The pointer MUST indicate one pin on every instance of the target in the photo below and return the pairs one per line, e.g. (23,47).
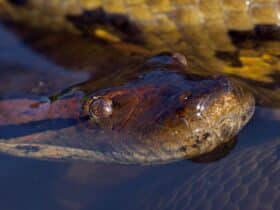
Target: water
(244,179)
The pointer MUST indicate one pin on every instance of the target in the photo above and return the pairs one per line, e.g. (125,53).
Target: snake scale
(216,33)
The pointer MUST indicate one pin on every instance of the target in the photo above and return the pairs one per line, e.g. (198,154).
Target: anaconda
(181,26)
(160,117)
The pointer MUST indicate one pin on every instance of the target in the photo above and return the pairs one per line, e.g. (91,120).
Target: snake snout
(213,97)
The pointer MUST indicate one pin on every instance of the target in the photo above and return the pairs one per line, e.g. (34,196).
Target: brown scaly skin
(160,117)
(232,37)
(237,38)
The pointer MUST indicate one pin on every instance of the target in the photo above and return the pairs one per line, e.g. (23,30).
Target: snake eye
(100,108)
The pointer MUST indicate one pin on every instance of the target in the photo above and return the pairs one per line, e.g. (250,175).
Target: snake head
(179,114)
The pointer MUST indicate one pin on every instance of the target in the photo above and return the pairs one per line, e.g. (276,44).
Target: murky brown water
(247,178)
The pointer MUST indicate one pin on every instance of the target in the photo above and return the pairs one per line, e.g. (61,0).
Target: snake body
(238,37)
(162,116)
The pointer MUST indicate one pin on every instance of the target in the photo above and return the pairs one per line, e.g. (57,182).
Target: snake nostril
(206,135)
(101,108)
(185,96)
